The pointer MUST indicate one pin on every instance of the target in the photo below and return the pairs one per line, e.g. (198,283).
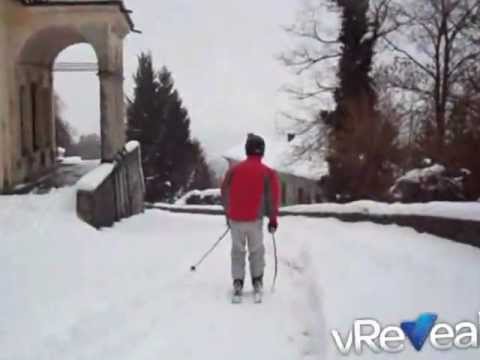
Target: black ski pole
(276,262)
(194,267)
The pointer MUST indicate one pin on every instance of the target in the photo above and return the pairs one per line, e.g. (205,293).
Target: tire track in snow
(310,303)
(318,327)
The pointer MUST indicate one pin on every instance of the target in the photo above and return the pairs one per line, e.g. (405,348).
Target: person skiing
(250,191)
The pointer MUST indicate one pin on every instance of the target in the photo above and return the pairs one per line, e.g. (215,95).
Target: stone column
(5,115)
(46,113)
(40,117)
(27,122)
(112,126)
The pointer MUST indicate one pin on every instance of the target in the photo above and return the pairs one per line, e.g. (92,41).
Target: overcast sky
(221,54)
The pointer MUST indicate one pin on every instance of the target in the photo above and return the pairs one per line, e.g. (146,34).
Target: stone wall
(118,194)
(463,231)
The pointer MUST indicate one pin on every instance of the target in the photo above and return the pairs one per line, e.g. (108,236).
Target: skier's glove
(272,226)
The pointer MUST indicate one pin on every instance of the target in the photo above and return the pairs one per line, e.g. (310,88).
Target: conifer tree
(158,119)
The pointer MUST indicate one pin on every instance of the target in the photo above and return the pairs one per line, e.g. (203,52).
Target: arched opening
(34,152)
(38,104)
(77,102)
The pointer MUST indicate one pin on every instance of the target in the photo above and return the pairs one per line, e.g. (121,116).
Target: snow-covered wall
(112,191)
(459,228)
(446,220)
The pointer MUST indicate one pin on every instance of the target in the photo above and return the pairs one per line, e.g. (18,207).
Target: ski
(257,297)
(237,297)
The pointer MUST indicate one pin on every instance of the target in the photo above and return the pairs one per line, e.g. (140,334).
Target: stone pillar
(40,117)
(4,128)
(4,111)
(27,123)
(45,109)
(50,125)
(5,104)
(112,125)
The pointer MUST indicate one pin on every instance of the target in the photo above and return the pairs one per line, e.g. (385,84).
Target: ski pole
(194,267)
(276,262)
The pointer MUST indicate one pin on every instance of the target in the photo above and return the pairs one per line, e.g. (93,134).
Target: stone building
(32,34)
(299,177)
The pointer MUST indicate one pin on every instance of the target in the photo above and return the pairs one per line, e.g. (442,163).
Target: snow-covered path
(71,292)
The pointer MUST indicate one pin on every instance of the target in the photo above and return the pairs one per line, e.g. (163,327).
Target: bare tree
(336,61)
(437,46)
(315,60)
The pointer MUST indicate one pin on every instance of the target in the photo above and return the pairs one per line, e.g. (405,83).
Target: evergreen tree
(144,122)
(160,122)
(177,146)
(142,112)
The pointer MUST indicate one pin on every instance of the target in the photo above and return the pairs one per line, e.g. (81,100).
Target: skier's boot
(237,291)
(257,283)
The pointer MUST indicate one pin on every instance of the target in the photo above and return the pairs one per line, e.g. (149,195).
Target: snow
(200,193)
(61,152)
(444,209)
(416,175)
(71,160)
(280,155)
(95,178)
(193,208)
(72,292)
(131,145)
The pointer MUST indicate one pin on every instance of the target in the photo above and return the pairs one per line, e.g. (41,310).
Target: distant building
(300,177)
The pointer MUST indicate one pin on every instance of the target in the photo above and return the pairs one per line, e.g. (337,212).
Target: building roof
(280,155)
(126,12)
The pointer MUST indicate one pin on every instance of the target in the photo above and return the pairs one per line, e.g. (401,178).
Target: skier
(250,191)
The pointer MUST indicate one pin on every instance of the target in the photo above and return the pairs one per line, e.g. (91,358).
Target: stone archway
(45,30)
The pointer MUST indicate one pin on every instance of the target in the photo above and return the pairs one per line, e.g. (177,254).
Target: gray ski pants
(251,234)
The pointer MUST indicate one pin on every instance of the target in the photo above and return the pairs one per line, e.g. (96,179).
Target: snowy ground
(71,292)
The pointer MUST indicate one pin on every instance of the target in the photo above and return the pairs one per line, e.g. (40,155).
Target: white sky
(221,54)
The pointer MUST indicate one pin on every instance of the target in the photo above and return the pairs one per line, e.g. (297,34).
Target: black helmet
(255,145)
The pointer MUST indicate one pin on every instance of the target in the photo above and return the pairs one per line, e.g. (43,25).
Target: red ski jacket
(251,190)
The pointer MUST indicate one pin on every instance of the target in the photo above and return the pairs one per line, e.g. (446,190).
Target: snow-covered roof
(280,155)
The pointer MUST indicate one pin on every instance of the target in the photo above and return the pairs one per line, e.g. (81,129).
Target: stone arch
(34,63)
(32,35)
(43,46)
